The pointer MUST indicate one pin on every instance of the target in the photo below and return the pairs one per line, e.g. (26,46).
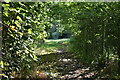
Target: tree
(95,30)
(23,25)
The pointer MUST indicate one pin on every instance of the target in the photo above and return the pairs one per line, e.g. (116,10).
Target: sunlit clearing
(66,60)
(57,40)
(58,51)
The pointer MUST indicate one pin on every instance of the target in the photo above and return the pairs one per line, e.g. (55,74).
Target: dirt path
(64,66)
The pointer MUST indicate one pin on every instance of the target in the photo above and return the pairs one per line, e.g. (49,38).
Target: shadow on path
(64,66)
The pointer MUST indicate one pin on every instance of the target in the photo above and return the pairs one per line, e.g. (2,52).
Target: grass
(51,46)
(46,53)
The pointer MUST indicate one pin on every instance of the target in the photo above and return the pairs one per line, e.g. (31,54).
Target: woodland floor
(66,67)
(61,64)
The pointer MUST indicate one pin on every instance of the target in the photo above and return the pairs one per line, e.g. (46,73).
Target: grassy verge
(51,46)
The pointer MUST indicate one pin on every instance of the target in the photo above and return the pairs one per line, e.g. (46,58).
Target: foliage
(95,28)
(95,32)
(23,25)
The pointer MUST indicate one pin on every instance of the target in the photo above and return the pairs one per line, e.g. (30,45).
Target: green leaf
(24,37)
(27,27)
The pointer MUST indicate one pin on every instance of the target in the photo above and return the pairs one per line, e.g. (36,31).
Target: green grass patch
(51,46)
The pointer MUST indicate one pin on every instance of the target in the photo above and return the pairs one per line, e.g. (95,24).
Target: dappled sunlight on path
(57,62)
(80,73)
(64,66)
